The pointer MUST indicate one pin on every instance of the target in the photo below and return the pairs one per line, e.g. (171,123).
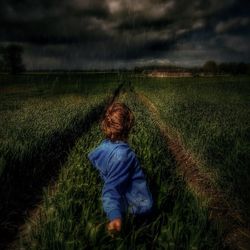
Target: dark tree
(1,59)
(12,59)
(248,69)
(138,69)
(210,67)
(224,68)
(241,68)
(234,68)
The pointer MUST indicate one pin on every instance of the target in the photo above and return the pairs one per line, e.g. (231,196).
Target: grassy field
(41,117)
(31,114)
(72,217)
(211,115)
(49,123)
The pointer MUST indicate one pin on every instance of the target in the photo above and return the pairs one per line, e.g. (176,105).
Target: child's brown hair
(117,122)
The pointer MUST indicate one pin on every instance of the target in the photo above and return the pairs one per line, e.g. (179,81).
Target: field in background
(50,121)
(211,115)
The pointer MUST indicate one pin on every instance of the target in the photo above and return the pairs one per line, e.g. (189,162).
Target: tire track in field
(237,234)
(17,206)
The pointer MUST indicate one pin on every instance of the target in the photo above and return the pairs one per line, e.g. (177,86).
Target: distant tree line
(11,60)
(209,68)
(234,68)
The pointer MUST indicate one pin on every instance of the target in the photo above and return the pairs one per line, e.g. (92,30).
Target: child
(125,188)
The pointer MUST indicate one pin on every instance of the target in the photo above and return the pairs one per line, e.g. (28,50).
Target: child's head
(117,122)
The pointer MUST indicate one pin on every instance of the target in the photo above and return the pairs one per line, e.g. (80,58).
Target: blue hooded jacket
(125,188)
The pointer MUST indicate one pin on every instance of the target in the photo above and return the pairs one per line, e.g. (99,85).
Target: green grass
(50,122)
(32,114)
(39,124)
(211,115)
(71,216)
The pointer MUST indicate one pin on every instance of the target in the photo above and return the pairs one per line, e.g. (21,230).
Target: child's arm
(116,182)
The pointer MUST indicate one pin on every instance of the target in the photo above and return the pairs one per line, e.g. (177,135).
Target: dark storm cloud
(107,33)
(48,22)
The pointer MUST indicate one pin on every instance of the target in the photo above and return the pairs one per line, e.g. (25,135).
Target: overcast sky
(83,34)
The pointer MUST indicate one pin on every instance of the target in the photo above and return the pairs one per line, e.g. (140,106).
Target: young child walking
(125,188)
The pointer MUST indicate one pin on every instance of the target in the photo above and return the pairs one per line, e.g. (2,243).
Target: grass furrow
(211,117)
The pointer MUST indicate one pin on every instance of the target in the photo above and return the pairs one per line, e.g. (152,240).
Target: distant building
(168,73)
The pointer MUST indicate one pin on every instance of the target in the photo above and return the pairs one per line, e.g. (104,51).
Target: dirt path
(201,183)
